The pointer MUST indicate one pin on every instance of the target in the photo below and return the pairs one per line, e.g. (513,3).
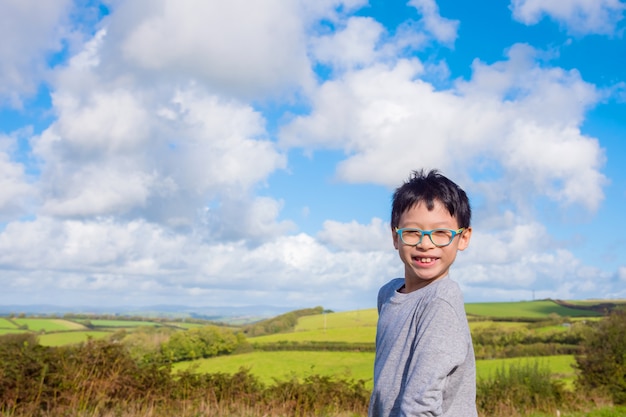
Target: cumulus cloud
(121,260)
(353,236)
(16,189)
(31,30)
(118,149)
(229,46)
(150,180)
(442,29)
(353,46)
(515,113)
(579,17)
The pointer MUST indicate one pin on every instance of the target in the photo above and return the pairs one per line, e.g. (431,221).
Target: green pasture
(352,335)
(6,324)
(70,338)
(122,323)
(358,326)
(524,309)
(48,325)
(341,320)
(12,331)
(505,325)
(184,325)
(271,366)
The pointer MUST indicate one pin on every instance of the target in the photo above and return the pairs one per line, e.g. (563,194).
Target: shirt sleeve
(440,346)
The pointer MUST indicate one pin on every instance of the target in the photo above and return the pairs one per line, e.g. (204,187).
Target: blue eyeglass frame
(429,233)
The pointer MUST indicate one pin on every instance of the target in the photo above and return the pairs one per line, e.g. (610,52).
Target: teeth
(426,260)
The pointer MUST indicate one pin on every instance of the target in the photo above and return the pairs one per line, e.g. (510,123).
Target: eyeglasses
(439,237)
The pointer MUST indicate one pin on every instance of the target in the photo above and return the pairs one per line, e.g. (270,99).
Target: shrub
(524,387)
(602,361)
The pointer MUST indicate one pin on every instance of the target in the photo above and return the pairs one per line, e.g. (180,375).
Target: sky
(210,153)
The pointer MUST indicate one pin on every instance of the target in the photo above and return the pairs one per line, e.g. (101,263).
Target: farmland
(351,327)
(298,347)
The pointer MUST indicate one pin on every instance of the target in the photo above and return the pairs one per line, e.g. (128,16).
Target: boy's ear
(464,239)
(394,236)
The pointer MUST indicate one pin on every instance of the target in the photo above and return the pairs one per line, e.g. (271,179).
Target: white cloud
(30,29)
(230,46)
(118,148)
(353,46)
(246,219)
(516,114)
(579,17)
(353,236)
(150,180)
(17,191)
(443,30)
(121,260)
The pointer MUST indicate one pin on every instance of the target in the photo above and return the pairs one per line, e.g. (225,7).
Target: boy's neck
(409,287)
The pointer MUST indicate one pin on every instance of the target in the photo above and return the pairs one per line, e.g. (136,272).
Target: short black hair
(427,188)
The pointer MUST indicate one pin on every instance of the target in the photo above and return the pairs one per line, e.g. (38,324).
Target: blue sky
(245,153)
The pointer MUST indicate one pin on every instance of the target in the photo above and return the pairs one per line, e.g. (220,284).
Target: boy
(425,362)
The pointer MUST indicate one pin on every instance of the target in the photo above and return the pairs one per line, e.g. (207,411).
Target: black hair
(427,188)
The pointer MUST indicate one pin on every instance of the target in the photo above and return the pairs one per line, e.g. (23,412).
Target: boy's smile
(426,262)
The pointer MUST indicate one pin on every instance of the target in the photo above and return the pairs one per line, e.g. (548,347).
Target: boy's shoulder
(395,283)
(445,288)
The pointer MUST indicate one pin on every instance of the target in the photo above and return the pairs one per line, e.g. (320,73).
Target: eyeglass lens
(438,237)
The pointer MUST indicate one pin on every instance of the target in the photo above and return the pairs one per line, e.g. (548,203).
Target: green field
(122,323)
(342,320)
(268,366)
(6,324)
(11,331)
(184,325)
(524,309)
(352,335)
(70,338)
(48,325)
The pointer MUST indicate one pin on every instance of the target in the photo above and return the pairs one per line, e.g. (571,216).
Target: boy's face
(425,262)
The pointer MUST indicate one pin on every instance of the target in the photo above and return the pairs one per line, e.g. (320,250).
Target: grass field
(121,323)
(268,366)
(184,325)
(6,324)
(340,320)
(524,309)
(69,338)
(11,331)
(354,335)
(48,325)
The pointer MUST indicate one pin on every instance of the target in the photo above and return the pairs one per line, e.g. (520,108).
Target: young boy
(425,362)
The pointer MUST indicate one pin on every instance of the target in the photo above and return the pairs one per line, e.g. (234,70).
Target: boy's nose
(426,242)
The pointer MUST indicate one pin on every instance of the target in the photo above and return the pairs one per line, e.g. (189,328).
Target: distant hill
(250,314)
(246,314)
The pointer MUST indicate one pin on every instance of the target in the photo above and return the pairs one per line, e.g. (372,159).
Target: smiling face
(426,263)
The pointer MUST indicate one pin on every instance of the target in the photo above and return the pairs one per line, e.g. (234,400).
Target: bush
(201,342)
(602,361)
(100,378)
(525,387)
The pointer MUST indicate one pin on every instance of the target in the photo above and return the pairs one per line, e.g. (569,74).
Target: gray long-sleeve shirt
(424,362)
